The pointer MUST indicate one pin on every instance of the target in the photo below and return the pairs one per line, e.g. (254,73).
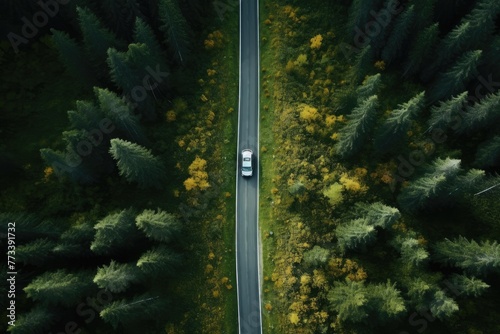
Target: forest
(116,195)
(379,157)
(380,153)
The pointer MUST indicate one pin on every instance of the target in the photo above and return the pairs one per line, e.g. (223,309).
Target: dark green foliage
(442,306)
(482,115)
(371,86)
(140,308)
(60,287)
(96,38)
(399,122)
(378,214)
(488,153)
(75,242)
(35,253)
(121,15)
(120,113)
(455,79)
(66,164)
(38,320)
(86,116)
(400,32)
(471,256)
(385,301)
(316,256)
(421,50)
(363,65)
(360,122)
(160,225)
(115,232)
(431,185)
(412,252)
(448,113)
(359,15)
(143,34)
(469,286)
(73,57)
(159,261)
(175,28)
(355,234)
(138,164)
(29,226)
(117,277)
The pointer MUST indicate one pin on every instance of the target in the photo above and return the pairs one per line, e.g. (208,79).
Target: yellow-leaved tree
(316,42)
(198,176)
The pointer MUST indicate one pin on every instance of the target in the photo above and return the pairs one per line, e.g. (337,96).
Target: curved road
(247,189)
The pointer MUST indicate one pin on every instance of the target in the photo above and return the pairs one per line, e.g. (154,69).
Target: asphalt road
(247,245)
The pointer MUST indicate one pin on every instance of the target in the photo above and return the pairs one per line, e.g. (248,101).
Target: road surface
(247,245)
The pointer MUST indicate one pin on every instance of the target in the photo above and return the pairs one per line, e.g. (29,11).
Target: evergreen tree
(473,257)
(137,164)
(412,252)
(66,164)
(159,261)
(86,116)
(447,112)
(400,32)
(160,226)
(60,287)
(378,214)
(75,242)
(385,301)
(360,122)
(114,232)
(371,86)
(316,256)
(349,299)
(121,72)
(363,65)
(359,15)
(482,115)
(488,153)
(120,113)
(354,234)
(36,253)
(117,277)
(143,34)
(38,320)
(30,226)
(442,306)
(120,15)
(175,28)
(421,50)
(73,57)
(455,79)
(96,38)
(469,286)
(421,292)
(141,307)
(397,125)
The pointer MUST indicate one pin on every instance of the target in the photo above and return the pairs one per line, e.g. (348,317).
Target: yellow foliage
(360,172)
(170,116)
(227,194)
(305,279)
(224,280)
(268,307)
(311,128)
(334,193)
(309,114)
(316,42)
(190,184)
(209,44)
(267,22)
(352,184)
(211,256)
(215,293)
(211,72)
(47,172)
(335,136)
(330,120)
(211,116)
(203,98)
(209,268)
(294,318)
(380,65)
(274,191)
(301,60)
(198,176)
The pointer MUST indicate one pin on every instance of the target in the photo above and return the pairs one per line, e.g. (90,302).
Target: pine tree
(96,38)
(385,301)
(354,234)
(117,277)
(73,57)
(141,307)
(143,34)
(122,74)
(447,112)
(469,286)
(115,232)
(175,28)
(360,122)
(121,15)
(455,79)
(86,116)
(38,320)
(400,32)
(120,113)
(30,226)
(137,164)
(371,86)
(482,115)
(359,14)
(397,125)
(66,164)
(349,299)
(159,261)
(421,50)
(316,256)
(36,253)
(75,242)
(378,214)
(363,65)
(160,226)
(442,306)
(473,257)
(412,252)
(60,287)
(488,153)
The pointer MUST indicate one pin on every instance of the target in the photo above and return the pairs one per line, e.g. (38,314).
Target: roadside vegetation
(379,209)
(118,148)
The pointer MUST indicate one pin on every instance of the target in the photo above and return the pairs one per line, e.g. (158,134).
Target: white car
(246,162)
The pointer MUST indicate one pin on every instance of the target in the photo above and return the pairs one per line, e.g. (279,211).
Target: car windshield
(247,169)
